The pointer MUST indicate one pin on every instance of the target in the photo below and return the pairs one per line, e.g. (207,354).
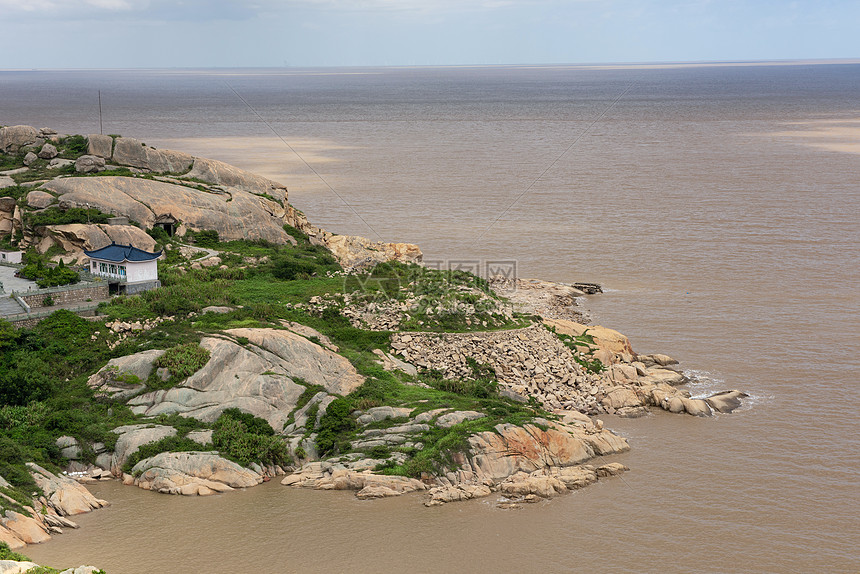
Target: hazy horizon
(122,34)
(568,65)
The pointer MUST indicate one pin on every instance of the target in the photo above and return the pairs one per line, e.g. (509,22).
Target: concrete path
(11,283)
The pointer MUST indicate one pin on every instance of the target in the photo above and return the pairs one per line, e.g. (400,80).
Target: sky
(308,33)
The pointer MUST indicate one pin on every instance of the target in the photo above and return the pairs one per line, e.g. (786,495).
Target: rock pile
(537,297)
(533,362)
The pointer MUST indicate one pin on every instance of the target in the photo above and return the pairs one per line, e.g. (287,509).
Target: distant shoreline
(302,70)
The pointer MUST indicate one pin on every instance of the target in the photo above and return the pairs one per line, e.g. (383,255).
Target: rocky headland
(284,350)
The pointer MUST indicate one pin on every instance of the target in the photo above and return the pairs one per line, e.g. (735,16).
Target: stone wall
(68,295)
(26,323)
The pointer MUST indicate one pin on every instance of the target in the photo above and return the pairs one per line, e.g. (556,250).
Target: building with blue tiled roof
(132,269)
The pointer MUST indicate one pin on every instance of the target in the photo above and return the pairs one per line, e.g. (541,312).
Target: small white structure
(134,269)
(11,256)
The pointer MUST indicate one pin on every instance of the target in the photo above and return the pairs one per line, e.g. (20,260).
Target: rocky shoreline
(547,373)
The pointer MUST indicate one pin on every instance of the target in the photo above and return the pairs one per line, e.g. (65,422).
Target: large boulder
(726,401)
(257,379)
(511,449)
(26,529)
(124,377)
(234,215)
(13,138)
(13,567)
(89,164)
(327,476)
(100,145)
(64,495)
(39,199)
(448,420)
(192,473)
(48,151)
(75,237)
(614,344)
(354,252)
(302,358)
(132,437)
(134,153)
(220,173)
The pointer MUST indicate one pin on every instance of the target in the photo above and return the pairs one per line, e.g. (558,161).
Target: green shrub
(253,425)
(300,236)
(233,440)
(289,268)
(159,234)
(206,238)
(335,426)
(480,388)
(379,452)
(37,269)
(7,554)
(75,145)
(183,360)
(57,216)
(26,380)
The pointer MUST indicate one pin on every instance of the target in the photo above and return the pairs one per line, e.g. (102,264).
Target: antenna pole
(101,131)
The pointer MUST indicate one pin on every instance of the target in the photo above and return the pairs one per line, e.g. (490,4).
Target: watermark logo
(389,284)
(498,268)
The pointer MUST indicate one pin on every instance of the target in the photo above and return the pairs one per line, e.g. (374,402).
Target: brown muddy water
(720,207)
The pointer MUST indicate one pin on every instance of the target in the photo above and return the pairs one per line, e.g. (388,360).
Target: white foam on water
(703,384)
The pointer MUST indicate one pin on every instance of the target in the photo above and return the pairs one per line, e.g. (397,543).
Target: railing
(22,303)
(89,276)
(42,314)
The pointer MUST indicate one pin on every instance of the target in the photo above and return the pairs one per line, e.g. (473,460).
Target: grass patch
(183,360)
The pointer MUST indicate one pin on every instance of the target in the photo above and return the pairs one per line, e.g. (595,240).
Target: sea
(717,204)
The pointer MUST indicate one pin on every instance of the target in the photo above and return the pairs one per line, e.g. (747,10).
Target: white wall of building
(141,271)
(11,256)
(135,271)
